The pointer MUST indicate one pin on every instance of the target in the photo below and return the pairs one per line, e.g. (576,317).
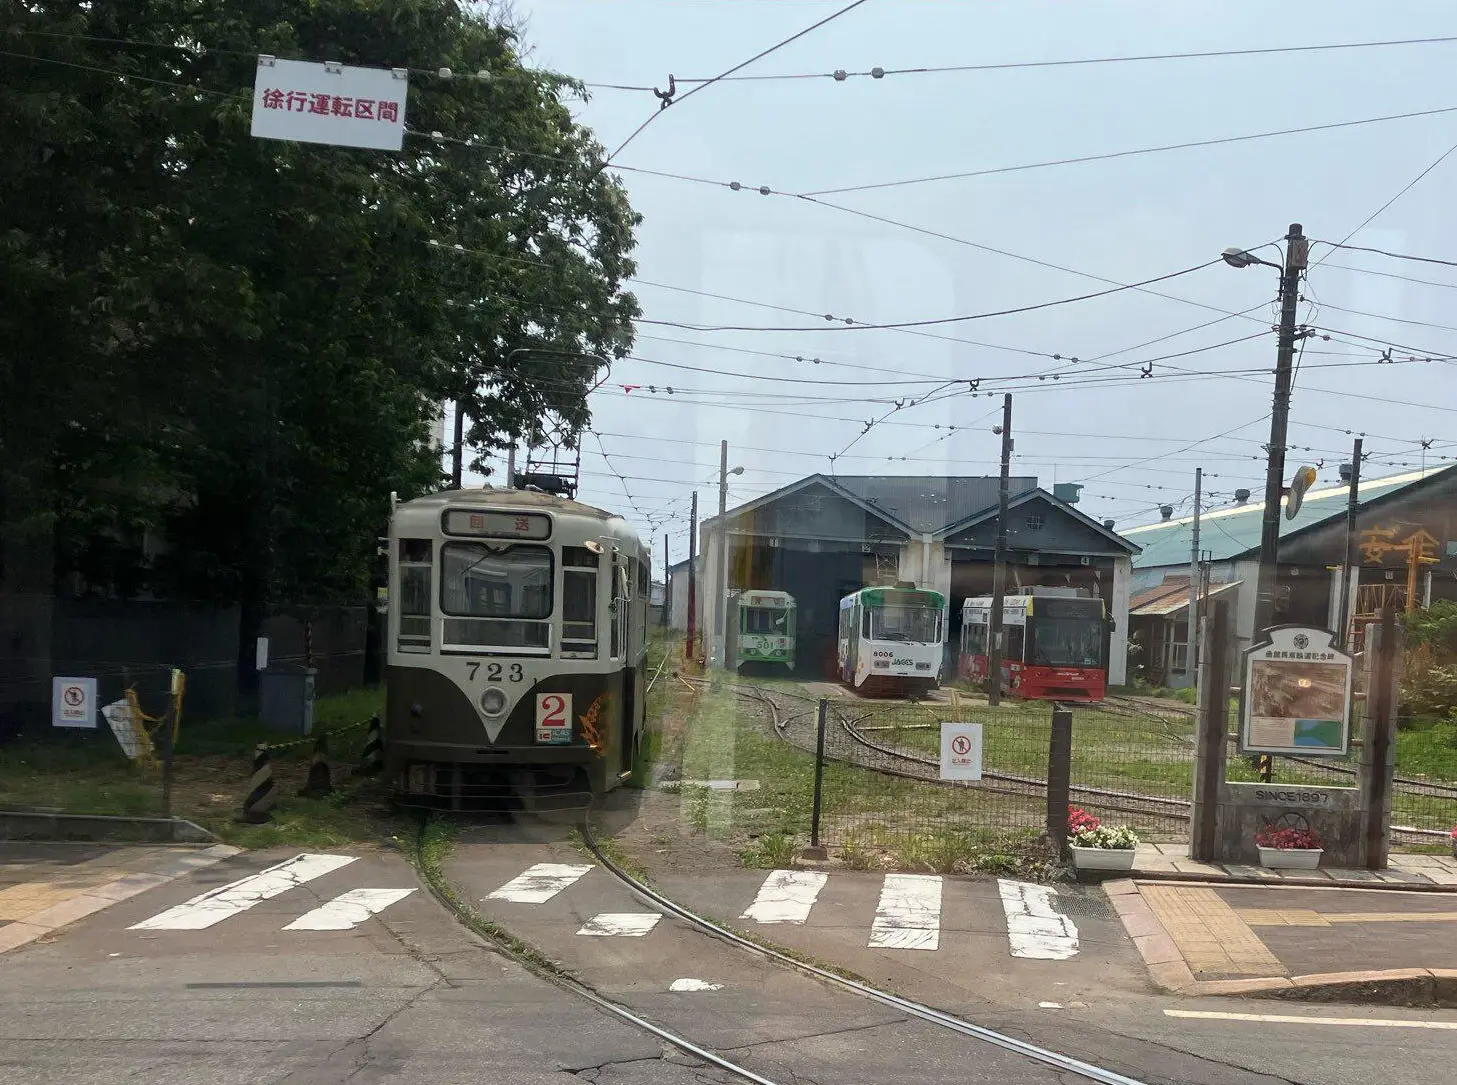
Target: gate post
(1377,762)
(816,850)
(1059,777)
(1210,733)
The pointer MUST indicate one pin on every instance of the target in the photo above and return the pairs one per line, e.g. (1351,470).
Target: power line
(1391,275)
(1079,159)
(668,100)
(1393,255)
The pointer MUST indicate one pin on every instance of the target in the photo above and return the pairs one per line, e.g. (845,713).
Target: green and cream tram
(517,635)
(892,639)
(761,628)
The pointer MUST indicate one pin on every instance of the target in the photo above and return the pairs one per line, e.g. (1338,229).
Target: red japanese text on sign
(297,101)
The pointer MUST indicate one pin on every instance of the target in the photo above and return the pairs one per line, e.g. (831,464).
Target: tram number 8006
(494,672)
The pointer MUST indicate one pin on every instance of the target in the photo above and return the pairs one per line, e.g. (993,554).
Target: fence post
(1059,777)
(1210,733)
(1377,761)
(814,813)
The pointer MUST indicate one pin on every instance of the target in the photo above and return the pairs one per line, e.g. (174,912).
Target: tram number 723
(494,671)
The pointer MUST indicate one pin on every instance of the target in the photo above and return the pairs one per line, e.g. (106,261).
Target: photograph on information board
(1297,704)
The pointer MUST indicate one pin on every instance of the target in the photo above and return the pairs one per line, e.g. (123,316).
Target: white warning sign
(960,751)
(73,702)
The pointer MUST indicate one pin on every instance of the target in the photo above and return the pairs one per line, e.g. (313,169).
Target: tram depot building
(1399,518)
(823,537)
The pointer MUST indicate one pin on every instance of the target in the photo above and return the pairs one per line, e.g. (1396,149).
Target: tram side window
(579,602)
(865,624)
(975,635)
(414,566)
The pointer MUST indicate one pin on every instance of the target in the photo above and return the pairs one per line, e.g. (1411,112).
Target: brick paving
(1165,860)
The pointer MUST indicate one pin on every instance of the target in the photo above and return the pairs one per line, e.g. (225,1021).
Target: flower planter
(1290,858)
(1102,858)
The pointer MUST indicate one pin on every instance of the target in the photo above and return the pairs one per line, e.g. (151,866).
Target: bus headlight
(493,701)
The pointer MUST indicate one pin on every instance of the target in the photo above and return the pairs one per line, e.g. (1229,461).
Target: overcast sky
(1125,220)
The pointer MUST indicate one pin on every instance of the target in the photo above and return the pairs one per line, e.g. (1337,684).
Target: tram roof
(500,497)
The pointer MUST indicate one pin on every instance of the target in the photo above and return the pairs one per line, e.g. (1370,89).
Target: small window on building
(1034,522)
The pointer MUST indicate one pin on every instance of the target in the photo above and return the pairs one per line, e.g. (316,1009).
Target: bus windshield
(911,625)
(1067,642)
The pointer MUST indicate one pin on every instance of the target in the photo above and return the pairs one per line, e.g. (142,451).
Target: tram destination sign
(497,525)
(1297,694)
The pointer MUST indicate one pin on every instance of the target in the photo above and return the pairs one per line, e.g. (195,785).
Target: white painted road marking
(1035,929)
(229,900)
(539,883)
(694,985)
(1291,1019)
(786,896)
(348,910)
(627,924)
(909,913)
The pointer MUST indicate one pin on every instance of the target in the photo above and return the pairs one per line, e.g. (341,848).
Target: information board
(1297,694)
(960,751)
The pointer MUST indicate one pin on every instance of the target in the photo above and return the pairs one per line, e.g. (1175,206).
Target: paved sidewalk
(1172,861)
(44,886)
(1292,941)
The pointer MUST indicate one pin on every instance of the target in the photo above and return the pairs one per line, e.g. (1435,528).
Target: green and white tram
(892,640)
(515,659)
(762,630)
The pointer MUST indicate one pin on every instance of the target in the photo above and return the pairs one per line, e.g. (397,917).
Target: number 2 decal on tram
(554,718)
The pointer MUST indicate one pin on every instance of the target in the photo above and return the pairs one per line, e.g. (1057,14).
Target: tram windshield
(496,597)
(1067,642)
(910,625)
(764,620)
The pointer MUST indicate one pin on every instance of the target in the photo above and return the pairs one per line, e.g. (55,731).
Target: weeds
(774,851)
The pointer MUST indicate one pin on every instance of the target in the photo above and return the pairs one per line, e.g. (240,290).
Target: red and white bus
(1056,645)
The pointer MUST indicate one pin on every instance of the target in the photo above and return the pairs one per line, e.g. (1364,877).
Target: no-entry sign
(960,751)
(73,702)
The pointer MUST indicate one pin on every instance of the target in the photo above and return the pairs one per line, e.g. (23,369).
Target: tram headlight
(493,701)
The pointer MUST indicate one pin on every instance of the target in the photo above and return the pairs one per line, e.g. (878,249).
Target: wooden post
(1377,760)
(1059,777)
(1211,729)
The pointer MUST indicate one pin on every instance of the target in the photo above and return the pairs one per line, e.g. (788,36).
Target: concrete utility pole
(511,465)
(1297,249)
(1191,651)
(720,587)
(999,570)
(666,614)
(692,577)
(1353,498)
(457,460)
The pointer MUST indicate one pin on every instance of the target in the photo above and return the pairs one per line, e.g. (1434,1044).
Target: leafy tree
(238,346)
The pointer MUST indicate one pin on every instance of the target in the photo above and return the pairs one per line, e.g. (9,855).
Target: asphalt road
(289,985)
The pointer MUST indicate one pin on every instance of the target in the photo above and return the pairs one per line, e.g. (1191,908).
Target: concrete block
(1171,975)
(1158,949)
(15,935)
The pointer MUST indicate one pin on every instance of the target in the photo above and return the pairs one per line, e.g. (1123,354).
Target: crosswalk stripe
(909,913)
(215,905)
(626,924)
(1035,929)
(539,883)
(786,896)
(348,910)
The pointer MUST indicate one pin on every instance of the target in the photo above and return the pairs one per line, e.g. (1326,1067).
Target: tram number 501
(494,672)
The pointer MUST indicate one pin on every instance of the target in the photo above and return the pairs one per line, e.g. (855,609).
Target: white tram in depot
(892,639)
(517,637)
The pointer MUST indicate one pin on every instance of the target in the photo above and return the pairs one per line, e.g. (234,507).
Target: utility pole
(1191,651)
(692,577)
(1343,631)
(999,570)
(720,587)
(1297,249)
(457,454)
(667,586)
(511,465)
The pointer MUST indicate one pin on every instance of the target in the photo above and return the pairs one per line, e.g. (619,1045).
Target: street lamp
(1297,250)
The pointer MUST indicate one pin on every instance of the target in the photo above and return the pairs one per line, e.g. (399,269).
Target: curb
(45,825)
(23,932)
(1376,882)
(1170,974)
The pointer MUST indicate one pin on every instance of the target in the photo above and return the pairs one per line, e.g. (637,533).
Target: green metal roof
(880,597)
(1231,533)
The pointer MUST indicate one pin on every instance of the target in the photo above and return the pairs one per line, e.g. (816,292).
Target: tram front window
(1067,642)
(910,625)
(496,597)
(764,620)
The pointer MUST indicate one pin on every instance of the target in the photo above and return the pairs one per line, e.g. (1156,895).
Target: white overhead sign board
(960,751)
(330,103)
(73,702)
(1297,694)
